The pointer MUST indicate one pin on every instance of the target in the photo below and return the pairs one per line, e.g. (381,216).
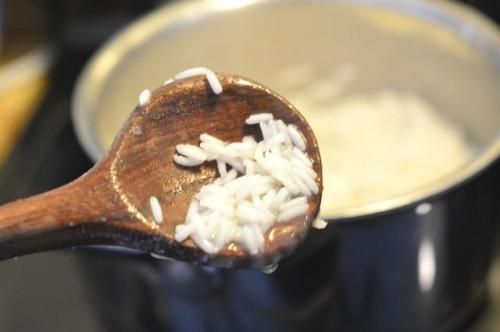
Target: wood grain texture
(110,203)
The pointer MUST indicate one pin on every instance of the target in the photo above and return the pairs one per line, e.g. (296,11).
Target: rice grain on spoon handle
(111,203)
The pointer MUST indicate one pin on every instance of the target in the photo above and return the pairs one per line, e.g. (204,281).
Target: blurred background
(44,45)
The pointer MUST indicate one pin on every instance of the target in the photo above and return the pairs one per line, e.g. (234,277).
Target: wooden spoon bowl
(110,203)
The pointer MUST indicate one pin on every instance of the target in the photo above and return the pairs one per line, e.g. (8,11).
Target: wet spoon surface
(110,204)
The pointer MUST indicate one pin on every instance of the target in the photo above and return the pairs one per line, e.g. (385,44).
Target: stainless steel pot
(416,262)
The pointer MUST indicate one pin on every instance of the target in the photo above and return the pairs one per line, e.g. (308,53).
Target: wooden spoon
(109,205)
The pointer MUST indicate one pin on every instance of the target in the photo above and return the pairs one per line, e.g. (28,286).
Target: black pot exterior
(420,268)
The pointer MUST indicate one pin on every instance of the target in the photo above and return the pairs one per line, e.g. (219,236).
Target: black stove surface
(49,291)
(45,292)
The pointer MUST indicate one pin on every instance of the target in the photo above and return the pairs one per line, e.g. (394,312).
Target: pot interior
(312,53)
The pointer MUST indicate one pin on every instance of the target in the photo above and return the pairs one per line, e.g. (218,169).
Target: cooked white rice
(374,146)
(319,224)
(212,79)
(380,146)
(259,184)
(296,137)
(258,118)
(156,209)
(144,97)
(191,152)
(169,81)
(186,161)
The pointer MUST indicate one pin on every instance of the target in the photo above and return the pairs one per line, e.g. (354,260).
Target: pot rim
(471,25)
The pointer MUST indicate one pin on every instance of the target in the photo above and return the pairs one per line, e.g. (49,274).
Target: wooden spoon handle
(64,217)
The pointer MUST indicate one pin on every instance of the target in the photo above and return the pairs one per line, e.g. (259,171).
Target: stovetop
(48,291)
